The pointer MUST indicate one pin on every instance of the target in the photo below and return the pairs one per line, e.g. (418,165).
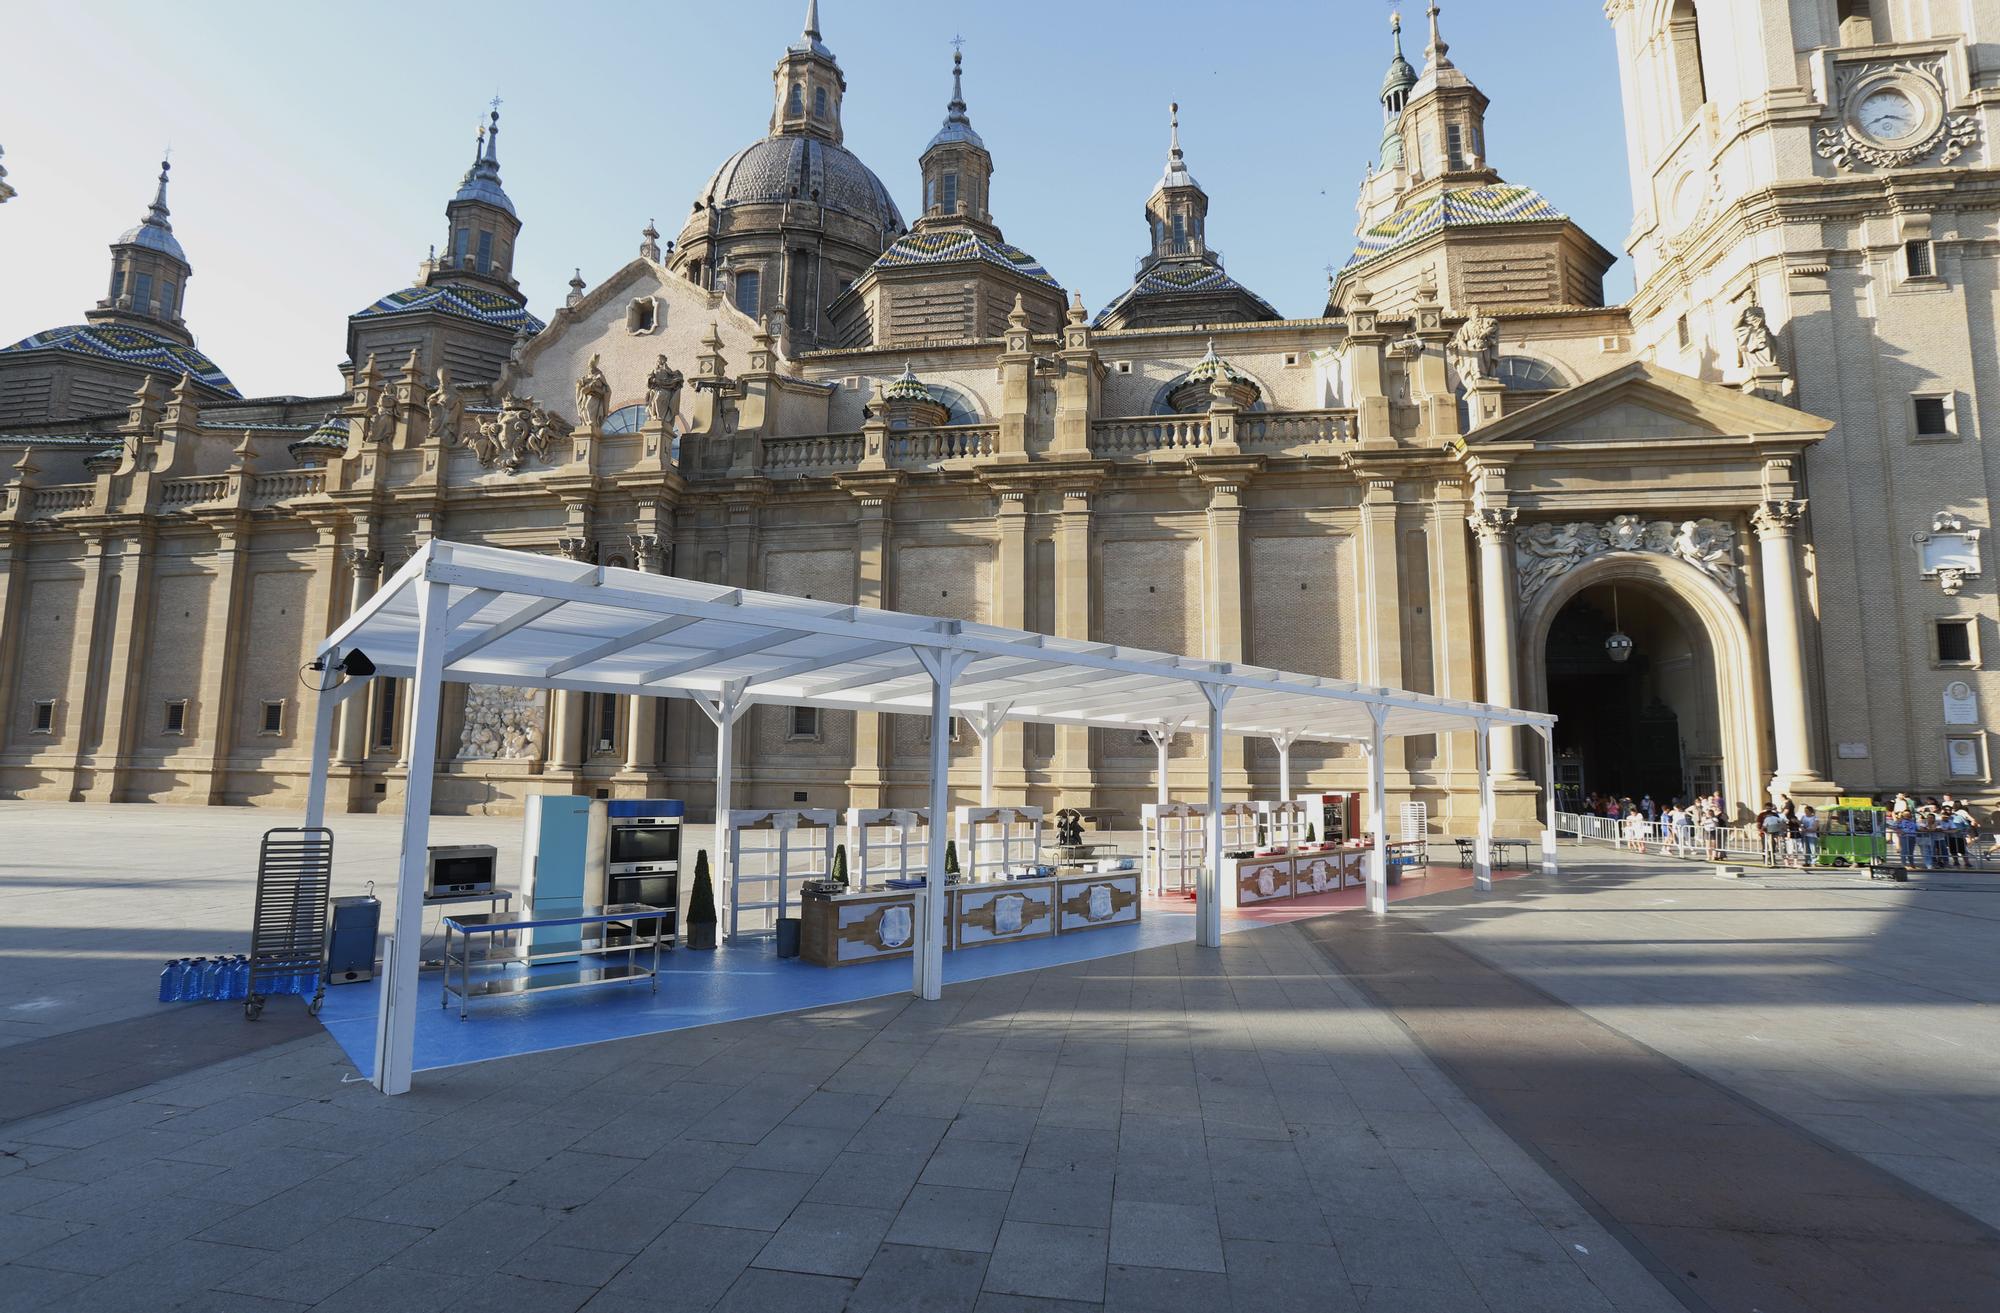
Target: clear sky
(314,146)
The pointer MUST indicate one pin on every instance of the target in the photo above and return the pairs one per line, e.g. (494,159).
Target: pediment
(1644,403)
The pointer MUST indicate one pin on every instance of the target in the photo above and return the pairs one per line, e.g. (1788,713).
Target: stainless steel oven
(642,865)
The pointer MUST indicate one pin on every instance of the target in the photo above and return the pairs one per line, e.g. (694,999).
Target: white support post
(330,700)
(1283,743)
(1548,799)
(1378,814)
(927,962)
(396,1031)
(723,710)
(1482,848)
(1208,883)
(986,724)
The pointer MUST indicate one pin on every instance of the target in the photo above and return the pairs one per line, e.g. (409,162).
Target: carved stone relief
(1545,552)
(501,723)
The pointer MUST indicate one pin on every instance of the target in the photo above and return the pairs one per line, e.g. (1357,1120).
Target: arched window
(1527,374)
(625,419)
(749,287)
(819,102)
(948,193)
(1690,85)
(795,102)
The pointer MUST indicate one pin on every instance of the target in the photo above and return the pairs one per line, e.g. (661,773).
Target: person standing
(1771,825)
(1809,837)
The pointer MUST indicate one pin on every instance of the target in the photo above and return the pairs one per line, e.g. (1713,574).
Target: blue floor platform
(736,981)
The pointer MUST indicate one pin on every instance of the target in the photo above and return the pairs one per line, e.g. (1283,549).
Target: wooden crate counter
(1091,902)
(1294,873)
(1000,912)
(859,927)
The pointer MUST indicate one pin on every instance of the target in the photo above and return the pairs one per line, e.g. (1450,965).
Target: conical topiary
(840,862)
(701,916)
(1310,838)
(950,859)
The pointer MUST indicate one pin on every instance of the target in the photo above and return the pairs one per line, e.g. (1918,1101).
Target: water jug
(190,990)
(167,981)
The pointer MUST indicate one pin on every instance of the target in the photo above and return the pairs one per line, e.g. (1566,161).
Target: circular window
(625,419)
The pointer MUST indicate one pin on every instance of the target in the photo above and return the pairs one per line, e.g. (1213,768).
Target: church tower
(1826,166)
(465,311)
(953,275)
(149,274)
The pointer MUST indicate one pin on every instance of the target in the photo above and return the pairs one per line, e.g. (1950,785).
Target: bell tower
(958,171)
(149,274)
(481,226)
(807,86)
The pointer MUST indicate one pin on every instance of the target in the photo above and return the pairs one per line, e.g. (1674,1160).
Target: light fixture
(1619,646)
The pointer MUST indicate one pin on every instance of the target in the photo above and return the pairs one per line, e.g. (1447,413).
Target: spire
(957,123)
(649,246)
(575,288)
(1434,53)
(1176,174)
(156,214)
(482,181)
(493,138)
(809,39)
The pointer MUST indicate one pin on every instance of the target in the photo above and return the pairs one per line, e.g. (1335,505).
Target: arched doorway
(1644,726)
(1680,716)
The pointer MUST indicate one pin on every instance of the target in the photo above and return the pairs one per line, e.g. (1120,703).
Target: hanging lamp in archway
(1619,645)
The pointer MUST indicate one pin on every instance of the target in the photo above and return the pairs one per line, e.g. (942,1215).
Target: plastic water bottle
(240,978)
(191,980)
(167,981)
(211,976)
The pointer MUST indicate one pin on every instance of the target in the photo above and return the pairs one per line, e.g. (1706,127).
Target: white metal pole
(927,963)
(330,700)
(1208,882)
(396,1034)
(724,716)
(1378,815)
(1548,799)
(1482,848)
(1283,743)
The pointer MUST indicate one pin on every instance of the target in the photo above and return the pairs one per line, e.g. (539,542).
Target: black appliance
(655,891)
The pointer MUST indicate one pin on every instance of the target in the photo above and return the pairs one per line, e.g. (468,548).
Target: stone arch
(1710,613)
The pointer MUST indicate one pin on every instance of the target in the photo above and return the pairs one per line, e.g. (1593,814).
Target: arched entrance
(1680,716)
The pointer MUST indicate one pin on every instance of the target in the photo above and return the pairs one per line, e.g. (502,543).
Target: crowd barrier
(1730,843)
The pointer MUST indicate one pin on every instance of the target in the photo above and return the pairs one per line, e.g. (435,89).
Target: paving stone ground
(1180,1128)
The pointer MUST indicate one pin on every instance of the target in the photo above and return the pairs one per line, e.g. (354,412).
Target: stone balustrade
(925,448)
(268,489)
(817,454)
(54,501)
(194,492)
(1295,433)
(1146,434)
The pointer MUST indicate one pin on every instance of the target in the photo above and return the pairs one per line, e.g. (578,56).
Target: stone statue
(1756,348)
(1710,547)
(593,397)
(1475,348)
(663,393)
(380,424)
(444,410)
(545,429)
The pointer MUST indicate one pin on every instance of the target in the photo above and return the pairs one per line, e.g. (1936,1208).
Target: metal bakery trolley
(580,964)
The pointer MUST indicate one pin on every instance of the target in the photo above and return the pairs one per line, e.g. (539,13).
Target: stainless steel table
(574,976)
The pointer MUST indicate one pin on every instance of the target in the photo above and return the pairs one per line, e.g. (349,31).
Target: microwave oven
(643,845)
(460,868)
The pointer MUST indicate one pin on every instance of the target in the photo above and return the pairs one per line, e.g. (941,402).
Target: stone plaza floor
(1631,1086)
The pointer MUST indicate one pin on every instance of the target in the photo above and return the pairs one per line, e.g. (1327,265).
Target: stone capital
(1778,517)
(1494,524)
(361,561)
(577,549)
(648,552)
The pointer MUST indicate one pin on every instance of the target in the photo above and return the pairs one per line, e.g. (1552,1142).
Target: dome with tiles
(804,168)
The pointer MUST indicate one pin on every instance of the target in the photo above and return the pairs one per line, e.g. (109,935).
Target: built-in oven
(642,865)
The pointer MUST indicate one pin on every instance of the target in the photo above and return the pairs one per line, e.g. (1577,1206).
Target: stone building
(1730,532)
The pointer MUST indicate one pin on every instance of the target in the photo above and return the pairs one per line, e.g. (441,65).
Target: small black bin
(788,936)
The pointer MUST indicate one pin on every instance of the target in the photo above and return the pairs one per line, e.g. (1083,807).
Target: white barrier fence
(1727,843)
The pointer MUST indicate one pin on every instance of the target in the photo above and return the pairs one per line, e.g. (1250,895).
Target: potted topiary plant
(951,861)
(839,871)
(701,917)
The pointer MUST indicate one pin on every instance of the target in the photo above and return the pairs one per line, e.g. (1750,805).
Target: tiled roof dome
(1460,207)
(474,303)
(945,245)
(131,346)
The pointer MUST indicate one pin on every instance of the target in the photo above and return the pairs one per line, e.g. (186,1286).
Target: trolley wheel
(1840,861)
(253,1008)
(312,1008)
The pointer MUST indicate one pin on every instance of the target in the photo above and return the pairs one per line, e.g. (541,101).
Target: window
(795,100)
(1681,332)
(390,697)
(463,245)
(749,286)
(142,294)
(485,251)
(177,717)
(1917,259)
(1933,416)
(1690,80)
(1954,643)
(1454,146)
(948,193)
(953,732)
(607,721)
(274,718)
(167,298)
(1527,374)
(45,716)
(117,284)
(642,315)
(805,723)
(819,102)
(625,419)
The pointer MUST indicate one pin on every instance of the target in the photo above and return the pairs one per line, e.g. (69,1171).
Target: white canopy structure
(484,615)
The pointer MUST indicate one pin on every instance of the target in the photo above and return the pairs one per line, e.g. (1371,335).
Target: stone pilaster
(1076,783)
(222,648)
(125,646)
(364,567)
(1498,622)
(1010,609)
(1776,521)
(1222,558)
(1017,376)
(642,714)
(1080,389)
(1381,584)
(74,723)
(867,779)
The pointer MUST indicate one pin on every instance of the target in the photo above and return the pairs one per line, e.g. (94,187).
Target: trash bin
(788,936)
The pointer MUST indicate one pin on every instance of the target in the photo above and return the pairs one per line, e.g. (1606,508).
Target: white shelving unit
(770,854)
(1176,847)
(1282,823)
(887,843)
(993,841)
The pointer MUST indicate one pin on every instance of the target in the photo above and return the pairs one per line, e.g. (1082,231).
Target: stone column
(1785,638)
(1076,784)
(13,594)
(363,567)
(1224,577)
(73,719)
(125,662)
(642,714)
(1494,526)
(569,713)
(1382,621)
(222,646)
(866,780)
(1009,748)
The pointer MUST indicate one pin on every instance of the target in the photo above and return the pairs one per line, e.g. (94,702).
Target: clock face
(1887,115)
